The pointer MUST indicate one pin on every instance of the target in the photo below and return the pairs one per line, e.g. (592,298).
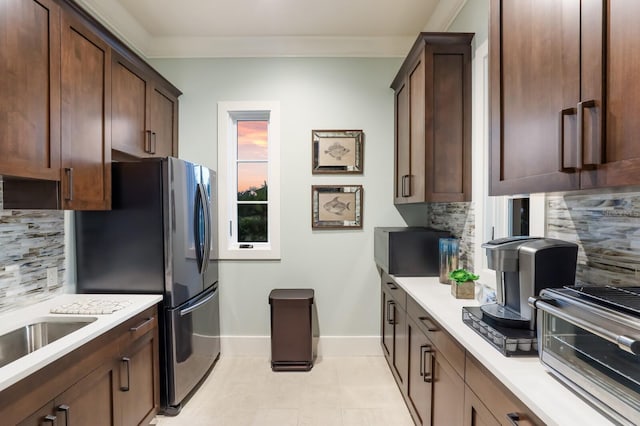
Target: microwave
(408,251)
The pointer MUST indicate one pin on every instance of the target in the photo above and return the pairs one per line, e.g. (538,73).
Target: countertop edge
(29,364)
(518,374)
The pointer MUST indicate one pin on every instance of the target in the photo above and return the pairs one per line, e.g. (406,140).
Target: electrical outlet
(52,277)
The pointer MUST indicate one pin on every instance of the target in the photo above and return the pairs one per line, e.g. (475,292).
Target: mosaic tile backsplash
(31,247)
(606,226)
(459,219)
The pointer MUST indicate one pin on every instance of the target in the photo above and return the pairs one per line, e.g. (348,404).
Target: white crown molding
(119,21)
(444,15)
(230,47)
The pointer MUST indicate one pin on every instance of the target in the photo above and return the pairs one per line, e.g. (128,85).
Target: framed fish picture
(336,207)
(337,151)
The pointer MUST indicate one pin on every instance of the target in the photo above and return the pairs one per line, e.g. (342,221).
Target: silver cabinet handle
(429,323)
(142,324)
(69,172)
(127,362)
(392,306)
(406,188)
(598,158)
(513,418)
(147,141)
(66,410)
(581,108)
(153,142)
(561,166)
(427,376)
(50,419)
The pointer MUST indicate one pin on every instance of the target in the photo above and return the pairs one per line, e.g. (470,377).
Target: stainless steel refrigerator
(160,238)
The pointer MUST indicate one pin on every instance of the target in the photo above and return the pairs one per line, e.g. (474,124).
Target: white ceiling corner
(272,28)
(119,21)
(444,15)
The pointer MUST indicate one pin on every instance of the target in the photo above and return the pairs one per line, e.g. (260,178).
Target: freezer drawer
(192,346)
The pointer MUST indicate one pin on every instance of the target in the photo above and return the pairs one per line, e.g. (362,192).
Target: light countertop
(526,377)
(23,367)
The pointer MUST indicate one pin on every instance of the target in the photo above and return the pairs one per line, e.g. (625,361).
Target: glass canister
(448,248)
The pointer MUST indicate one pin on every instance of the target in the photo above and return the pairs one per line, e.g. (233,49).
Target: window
(249,180)
(495,217)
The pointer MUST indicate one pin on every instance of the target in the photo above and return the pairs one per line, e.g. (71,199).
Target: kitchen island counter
(28,364)
(525,377)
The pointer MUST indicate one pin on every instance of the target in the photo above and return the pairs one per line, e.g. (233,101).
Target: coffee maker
(524,266)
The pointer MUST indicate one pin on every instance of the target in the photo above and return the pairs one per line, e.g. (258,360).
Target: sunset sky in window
(252,146)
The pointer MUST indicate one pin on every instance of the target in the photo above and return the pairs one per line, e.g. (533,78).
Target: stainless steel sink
(24,340)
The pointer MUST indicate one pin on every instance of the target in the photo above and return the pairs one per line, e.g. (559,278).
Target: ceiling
(262,28)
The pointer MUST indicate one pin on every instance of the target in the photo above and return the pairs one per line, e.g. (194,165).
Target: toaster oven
(589,338)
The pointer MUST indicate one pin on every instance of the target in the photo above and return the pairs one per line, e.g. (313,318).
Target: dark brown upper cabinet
(72,92)
(433,120)
(30,89)
(145,112)
(86,118)
(564,95)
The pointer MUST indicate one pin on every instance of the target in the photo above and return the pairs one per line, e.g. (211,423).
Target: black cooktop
(618,298)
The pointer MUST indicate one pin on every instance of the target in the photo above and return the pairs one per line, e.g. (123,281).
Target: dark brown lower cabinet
(139,369)
(475,412)
(88,402)
(112,381)
(421,374)
(421,357)
(394,329)
(448,391)
(505,407)
(440,382)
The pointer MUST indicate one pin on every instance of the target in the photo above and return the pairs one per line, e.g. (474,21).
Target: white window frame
(492,213)
(229,113)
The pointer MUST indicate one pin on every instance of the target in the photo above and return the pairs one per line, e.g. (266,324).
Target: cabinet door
(129,109)
(91,401)
(402,145)
(386,327)
(44,416)
(535,87)
(417,167)
(448,388)
(400,344)
(86,116)
(163,122)
(139,380)
(475,412)
(616,161)
(30,88)
(447,132)
(420,374)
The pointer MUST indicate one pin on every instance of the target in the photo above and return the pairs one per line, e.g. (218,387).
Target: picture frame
(336,206)
(337,151)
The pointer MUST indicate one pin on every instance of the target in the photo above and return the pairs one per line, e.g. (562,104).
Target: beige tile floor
(337,391)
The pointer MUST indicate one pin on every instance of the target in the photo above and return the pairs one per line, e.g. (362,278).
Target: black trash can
(291,329)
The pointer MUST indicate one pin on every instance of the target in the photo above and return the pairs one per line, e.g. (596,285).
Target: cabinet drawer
(447,345)
(390,287)
(502,404)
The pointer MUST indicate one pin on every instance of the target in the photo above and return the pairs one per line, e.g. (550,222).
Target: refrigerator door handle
(192,308)
(196,229)
(206,206)
(207,227)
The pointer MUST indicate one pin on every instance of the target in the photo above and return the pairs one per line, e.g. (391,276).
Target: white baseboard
(328,346)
